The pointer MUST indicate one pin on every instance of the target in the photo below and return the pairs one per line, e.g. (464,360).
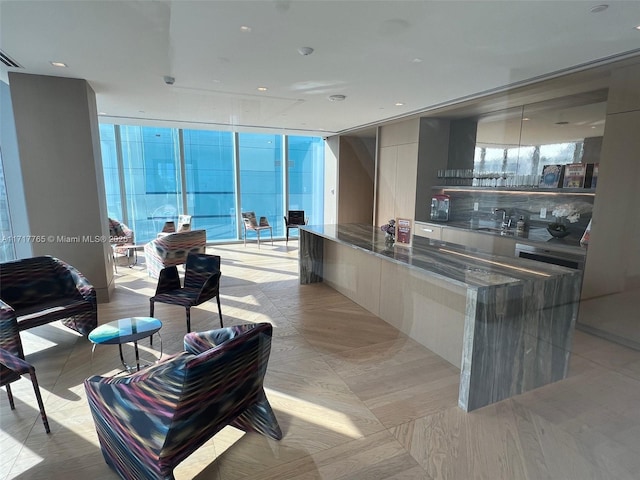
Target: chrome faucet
(506,222)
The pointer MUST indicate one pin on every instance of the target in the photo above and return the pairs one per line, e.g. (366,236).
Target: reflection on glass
(519,141)
(306,176)
(261,177)
(152,173)
(7,247)
(150,158)
(210,182)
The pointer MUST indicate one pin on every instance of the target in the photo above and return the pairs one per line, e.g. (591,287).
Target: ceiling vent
(6,59)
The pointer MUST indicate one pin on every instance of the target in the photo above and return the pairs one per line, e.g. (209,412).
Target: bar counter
(506,323)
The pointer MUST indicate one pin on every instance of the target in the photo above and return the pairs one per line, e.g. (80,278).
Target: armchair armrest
(210,287)
(12,362)
(82,285)
(198,342)
(151,396)
(9,333)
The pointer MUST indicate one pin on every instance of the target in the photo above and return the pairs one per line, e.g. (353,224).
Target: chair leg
(10,395)
(287,242)
(258,234)
(36,389)
(188,319)
(219,310)
(271,233)
(151,307)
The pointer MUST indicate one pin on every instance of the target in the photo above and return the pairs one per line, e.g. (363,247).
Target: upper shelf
(520,190)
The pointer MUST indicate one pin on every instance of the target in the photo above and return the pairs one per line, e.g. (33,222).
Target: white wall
(331,156)
(61,165)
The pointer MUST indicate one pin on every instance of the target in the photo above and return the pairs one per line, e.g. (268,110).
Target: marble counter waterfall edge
(508,323)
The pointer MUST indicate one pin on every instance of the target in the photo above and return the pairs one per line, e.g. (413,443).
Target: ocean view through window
(155,174)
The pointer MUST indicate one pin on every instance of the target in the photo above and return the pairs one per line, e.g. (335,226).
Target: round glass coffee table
(126,330)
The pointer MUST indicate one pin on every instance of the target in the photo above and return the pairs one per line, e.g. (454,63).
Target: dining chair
(11,369)
(294,219)
(201,283)
(184,223)
(251,224)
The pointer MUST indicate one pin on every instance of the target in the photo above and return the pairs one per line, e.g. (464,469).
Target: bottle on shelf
(521,226)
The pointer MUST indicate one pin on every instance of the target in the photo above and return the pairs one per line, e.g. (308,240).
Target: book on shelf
(591,177)
(574,175)
(551,176)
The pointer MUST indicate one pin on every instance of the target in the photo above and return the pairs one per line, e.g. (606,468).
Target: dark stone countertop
(455,263)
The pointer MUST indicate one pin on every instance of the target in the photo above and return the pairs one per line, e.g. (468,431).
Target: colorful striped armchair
(39,290)
(150,421)
(173,249)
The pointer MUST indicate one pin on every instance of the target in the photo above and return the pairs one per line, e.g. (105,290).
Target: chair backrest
(296,217)
(182,240)
(184,223)
(201,413)
(200,266)
(33,281)
(249,219)
(169,227)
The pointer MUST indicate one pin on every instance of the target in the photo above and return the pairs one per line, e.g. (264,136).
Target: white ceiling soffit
(389,58)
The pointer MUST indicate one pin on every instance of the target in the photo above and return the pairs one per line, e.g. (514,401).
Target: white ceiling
(376,53)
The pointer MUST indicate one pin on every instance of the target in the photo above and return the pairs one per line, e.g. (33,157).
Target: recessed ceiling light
(599,8)
(637,27)
(245,28)
(59,64)
(398,104)
(416,60)
(101,113)
(526,119)
(337,98)
(262,89)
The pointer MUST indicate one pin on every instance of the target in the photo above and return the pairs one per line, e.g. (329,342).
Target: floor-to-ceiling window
(153,185)
(261,177)
(210,180)
(7,246)
(154,174)
(108,147)
(306,176)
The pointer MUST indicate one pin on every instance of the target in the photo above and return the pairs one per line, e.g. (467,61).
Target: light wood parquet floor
(355,398)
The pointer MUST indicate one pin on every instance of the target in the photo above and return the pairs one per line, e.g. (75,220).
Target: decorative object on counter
(440,208)
(404,231)
(566,211)
(570,211)
(584,241)
(390,231)
(558,230)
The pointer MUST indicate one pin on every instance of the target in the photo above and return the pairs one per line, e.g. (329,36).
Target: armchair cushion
(150,421)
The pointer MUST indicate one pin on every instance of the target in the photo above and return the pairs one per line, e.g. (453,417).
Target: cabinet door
(428,230)
(483,242)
